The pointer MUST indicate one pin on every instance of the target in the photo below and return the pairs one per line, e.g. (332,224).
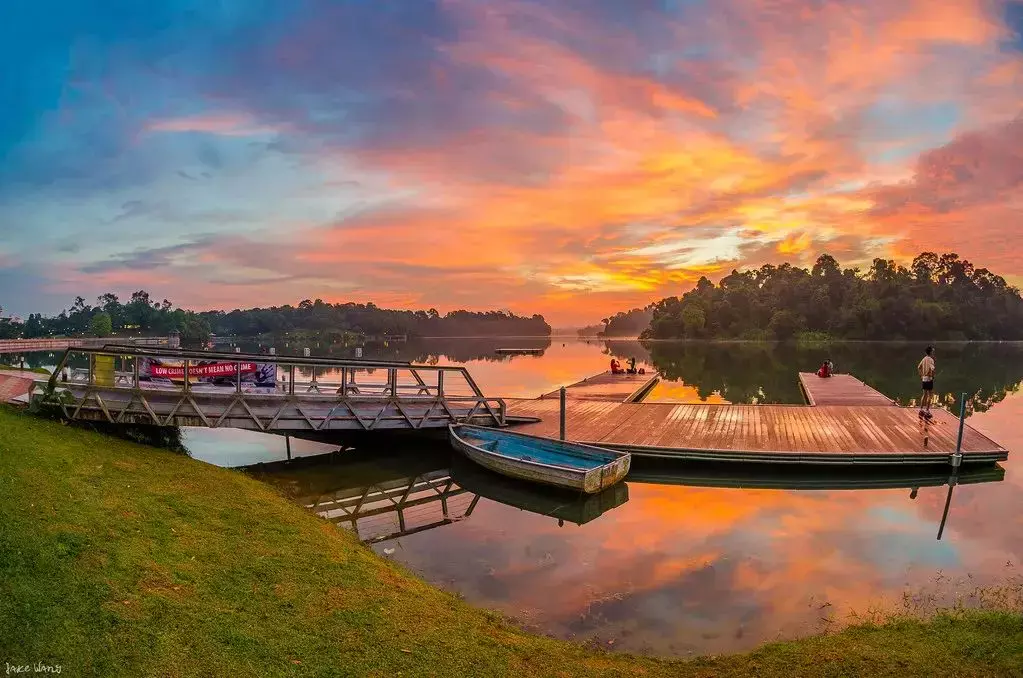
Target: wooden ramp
(15,384)
(607,387)
(791,434)
(840,389)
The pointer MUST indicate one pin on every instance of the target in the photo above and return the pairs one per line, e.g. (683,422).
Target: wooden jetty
(627,388)
(519,351)
(840,389)
(879,433)
(604,410)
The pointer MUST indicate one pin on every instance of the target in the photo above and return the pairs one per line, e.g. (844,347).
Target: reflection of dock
(383,498)
(379,498)
(397,508)
(869,478)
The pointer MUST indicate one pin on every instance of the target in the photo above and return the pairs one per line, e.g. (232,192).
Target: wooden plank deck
(840,389)
(791,434)
(607,387)
(15,384)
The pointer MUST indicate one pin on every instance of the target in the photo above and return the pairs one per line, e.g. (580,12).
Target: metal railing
(409,395)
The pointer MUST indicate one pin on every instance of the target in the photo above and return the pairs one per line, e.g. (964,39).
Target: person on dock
(632,366)
(825,369)
(925,369)
(616,367)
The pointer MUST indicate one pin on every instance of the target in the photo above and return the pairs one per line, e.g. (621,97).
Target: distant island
(143,316)
(937,298)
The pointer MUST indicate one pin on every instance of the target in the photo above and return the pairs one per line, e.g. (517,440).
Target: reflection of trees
(418,350)
(759,372)
(625,349)
(480,348)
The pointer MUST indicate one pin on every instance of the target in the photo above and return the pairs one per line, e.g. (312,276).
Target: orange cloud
(625,163)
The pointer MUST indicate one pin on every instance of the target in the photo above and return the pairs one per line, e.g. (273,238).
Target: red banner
(207,370)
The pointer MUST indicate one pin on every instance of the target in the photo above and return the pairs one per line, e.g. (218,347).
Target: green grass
(35,370)
(118,559)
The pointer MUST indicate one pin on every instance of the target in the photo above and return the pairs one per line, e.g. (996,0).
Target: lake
(685,559)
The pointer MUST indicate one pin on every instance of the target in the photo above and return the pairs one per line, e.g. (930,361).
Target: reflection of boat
(519,351)
(563,505)
(714,475)
(543,460)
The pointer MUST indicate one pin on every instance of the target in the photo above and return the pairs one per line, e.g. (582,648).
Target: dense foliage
(139,316)
(936,298)
(142,316)
(368,319)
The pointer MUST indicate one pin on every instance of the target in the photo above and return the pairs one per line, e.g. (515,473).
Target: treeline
(370,320)
(935,298)
(142,316)
(624,324)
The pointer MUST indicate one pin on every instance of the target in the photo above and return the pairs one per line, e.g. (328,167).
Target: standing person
(926,371)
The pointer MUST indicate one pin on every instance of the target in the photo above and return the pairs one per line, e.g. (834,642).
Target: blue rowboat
(583,468)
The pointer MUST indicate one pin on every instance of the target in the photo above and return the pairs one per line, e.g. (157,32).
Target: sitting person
(616,367)
(825,370)
(632,366)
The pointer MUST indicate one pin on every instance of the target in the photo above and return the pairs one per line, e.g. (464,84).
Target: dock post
(957,458)
(562,395)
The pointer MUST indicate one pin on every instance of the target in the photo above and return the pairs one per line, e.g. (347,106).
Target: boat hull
(590,480)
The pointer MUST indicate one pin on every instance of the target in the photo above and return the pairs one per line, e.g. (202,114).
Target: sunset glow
(566,158)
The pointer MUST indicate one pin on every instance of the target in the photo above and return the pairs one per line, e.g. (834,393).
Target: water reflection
(766,373)
(701,558)
(397,495)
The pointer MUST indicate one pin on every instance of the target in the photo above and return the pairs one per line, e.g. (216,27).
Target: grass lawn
(118,559)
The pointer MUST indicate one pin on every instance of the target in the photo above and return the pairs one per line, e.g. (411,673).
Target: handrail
(126,349)
(343,364)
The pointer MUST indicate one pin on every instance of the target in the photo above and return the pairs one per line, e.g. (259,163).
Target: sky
(565,157)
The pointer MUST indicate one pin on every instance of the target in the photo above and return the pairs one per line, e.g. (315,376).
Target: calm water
(684,559)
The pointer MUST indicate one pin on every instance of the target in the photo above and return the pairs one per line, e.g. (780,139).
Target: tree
(693,320)
(784,325)
(101,325)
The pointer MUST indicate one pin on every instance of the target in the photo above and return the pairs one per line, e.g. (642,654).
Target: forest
(140,315)
(936,298)
(143,316)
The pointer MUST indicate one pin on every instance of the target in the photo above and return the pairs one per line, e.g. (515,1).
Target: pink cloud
(223,124)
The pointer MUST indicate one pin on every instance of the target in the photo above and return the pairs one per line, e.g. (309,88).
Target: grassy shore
(121,559)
